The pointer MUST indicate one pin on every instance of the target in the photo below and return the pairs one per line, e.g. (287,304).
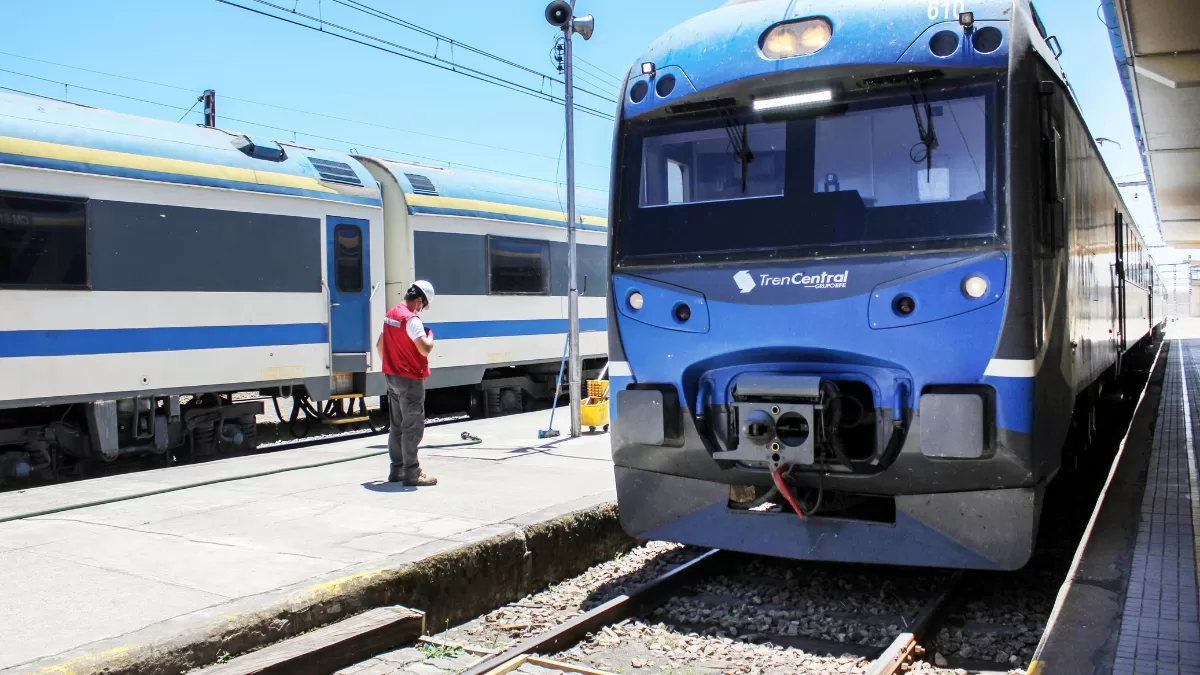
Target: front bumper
(984,529)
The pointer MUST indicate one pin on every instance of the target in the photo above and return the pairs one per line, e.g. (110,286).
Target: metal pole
(572,266)
(210,108)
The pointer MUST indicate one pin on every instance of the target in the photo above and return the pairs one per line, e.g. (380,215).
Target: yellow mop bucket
(593,412)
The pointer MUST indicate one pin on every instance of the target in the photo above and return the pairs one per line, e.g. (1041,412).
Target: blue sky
(378,103)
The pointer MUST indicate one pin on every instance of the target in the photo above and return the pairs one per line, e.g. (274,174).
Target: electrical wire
(263,125)
(380,14)
(189,110)
(416,55)
(288,109)
(98,91)
(588,65)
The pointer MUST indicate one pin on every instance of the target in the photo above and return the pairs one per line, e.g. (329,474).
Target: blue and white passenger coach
(865,258)
(150,271)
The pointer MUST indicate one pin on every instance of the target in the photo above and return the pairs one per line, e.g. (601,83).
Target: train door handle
(335,304)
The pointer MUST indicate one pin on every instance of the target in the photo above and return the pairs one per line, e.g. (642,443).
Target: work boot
(394,476)
(423,480)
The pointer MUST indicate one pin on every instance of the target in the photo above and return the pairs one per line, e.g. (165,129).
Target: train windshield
(898,174)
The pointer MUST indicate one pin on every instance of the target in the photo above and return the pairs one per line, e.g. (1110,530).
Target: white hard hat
(426,289)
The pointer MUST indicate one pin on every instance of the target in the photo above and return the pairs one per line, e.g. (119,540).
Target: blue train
(866,266)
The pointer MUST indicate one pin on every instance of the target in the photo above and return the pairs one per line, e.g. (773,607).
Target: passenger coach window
(518,266)
(43,242)
(348,263)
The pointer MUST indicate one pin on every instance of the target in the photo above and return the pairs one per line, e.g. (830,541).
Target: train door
(349,293)
(1120,286)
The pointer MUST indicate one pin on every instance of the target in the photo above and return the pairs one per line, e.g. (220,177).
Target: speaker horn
(558,13)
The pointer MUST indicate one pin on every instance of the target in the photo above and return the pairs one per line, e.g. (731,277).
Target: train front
(810,279)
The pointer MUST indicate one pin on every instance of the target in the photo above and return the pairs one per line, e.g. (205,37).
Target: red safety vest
(400,355)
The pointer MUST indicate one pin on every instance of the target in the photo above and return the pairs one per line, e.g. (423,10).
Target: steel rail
(901,650)
(614,610)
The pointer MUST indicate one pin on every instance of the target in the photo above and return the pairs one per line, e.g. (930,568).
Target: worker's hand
(429,333)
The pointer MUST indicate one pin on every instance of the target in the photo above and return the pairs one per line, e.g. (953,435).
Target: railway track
(619,629)
(593,626)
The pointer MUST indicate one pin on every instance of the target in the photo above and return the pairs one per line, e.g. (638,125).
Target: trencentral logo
(822,280)
(744,281)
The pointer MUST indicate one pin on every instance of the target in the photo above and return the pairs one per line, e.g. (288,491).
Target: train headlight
(635,301)
(790,100)
(798,38)
(975,286)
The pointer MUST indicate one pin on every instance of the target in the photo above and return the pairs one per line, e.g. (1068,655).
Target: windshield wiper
(925,131)
(739,143)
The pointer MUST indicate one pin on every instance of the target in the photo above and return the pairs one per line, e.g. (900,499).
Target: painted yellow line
(129,160)
(463,204)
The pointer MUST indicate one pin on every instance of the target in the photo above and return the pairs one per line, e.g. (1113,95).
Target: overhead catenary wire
(277,106)
(455,44)
(588,65)
(415,55)
(347,143)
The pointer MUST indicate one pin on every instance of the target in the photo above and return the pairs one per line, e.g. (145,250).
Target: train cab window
(43,242)
(882,172)
(712,165)
(879,154)
(518,266)
(348,258)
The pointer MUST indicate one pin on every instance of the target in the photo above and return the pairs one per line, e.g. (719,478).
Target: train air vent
(421,184)
(335,172)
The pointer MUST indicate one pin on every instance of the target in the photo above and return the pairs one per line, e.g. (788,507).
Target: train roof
(457,192)
(50,134)
(722,46)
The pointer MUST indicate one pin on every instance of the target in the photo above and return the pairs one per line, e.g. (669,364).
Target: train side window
(518,266)
(43,242)
(348,262)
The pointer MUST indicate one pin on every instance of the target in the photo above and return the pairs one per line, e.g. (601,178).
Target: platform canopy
(1157,46)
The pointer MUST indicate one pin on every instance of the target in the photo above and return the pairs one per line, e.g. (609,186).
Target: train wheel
(605,428)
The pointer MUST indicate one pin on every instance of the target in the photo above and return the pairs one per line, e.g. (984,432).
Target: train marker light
(648,68)
(975,286)
(798,38)
(966,19)
(793,100)
(635,301)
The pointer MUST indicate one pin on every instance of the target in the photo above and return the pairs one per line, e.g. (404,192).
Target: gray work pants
(406,412)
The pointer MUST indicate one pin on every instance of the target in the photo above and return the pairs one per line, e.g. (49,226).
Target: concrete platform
(133,573)
(1130,603)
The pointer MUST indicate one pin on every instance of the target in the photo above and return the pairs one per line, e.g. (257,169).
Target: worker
(405,344)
